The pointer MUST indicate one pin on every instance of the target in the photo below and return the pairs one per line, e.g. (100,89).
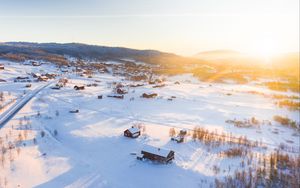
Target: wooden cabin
(74,111)
(50,75)
(1,67)
(79,87)
(22,79)
(156,154)
(152,95)
(121,91)
(42,78)
(35,75)
(35,63)
(133,132)
(116,96)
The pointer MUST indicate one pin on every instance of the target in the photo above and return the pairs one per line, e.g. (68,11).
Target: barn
(156,154)
(133,132)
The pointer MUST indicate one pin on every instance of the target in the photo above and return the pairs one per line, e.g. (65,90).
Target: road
(9,114)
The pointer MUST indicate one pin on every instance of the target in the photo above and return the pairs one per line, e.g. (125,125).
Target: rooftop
(155,150)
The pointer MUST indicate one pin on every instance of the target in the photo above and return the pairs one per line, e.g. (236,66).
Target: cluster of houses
(38,77)
(43,77)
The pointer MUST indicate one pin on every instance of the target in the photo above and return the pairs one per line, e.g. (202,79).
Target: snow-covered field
(87,149)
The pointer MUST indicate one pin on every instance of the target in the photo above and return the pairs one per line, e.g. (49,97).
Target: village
(129,121)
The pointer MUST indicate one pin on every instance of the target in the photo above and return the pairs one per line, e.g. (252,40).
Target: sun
(265,49)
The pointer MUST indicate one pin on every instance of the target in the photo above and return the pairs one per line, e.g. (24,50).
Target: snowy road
(8,114)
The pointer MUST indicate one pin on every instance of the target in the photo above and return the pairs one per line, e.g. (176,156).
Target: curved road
(9,114)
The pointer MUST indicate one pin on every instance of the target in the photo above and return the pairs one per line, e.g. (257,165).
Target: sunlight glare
(265,49)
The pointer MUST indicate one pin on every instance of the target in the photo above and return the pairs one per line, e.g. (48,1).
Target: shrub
(285,121)
(235,152)
(172,132)
(289,104)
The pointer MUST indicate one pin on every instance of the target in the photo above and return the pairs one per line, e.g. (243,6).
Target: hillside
(82,51)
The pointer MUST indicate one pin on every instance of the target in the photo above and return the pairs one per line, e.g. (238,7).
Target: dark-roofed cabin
(116,96)
(121,91)
(79,87)
(74,111)
(22,79)
(133,132)
(156,154)
(57,86)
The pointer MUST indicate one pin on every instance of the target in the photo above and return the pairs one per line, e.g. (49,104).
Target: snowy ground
(89,149)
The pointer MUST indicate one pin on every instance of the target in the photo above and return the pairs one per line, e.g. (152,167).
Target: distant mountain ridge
(19,51)
(76,50)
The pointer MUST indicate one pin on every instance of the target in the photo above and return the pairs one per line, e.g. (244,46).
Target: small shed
(133,132)
(180,137)
(57,87)
(156,154)
(1,66)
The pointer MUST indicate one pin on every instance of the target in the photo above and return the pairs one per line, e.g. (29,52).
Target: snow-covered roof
(133,130)
(43,77)
(155,150)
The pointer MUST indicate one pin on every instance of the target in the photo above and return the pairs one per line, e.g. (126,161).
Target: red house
(133,132)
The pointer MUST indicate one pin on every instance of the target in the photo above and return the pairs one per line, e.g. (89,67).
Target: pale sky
(180,26)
